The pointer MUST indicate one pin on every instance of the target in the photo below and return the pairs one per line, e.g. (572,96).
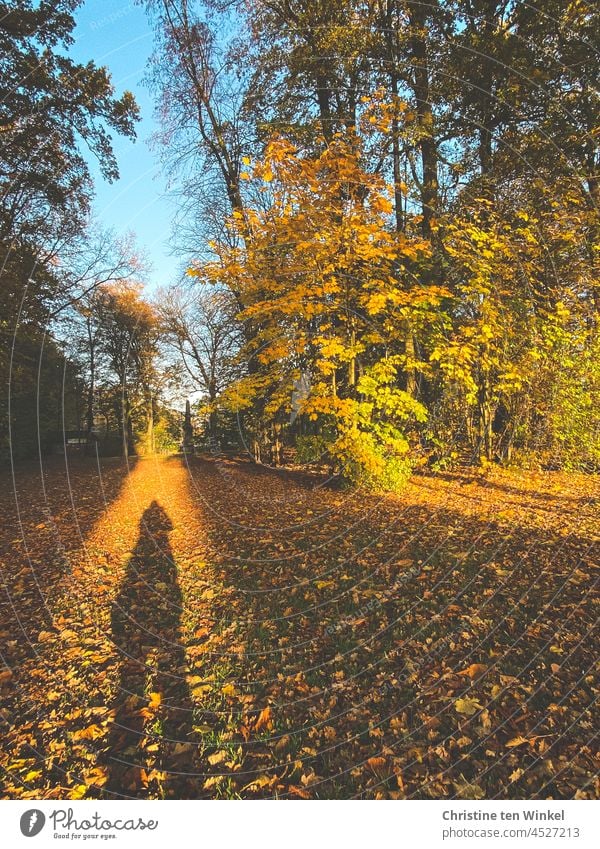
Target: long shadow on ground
(154,707)
(396,647)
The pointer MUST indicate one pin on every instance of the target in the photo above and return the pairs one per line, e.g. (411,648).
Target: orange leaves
(517,741)
(378,765)
(96,777)
(68,635)
(299,792)
(45,636)
(475,670)
(148,776)
(325,693)
(264,720)
(150,711)
(92,732)
(261,782)
(6,677)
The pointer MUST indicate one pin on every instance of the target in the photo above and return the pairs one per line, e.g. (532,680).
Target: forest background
(389,213)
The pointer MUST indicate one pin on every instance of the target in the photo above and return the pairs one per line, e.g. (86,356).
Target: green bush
(313,448)
(377,462)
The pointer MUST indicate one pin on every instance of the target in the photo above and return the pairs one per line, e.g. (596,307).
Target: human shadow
(153,711)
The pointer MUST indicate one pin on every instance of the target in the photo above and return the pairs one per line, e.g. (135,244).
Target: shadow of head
(155,521)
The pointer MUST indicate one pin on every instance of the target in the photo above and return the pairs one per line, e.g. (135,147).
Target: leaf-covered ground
(220,630)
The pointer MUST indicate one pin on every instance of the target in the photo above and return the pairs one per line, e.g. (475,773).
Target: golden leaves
(96,777)
(300,792)
(260,782)
(378,765)
(467,706)
(335,243)
(154,701)
(78,792)
(45,636)
(450,717)
(517,741)
(468,790)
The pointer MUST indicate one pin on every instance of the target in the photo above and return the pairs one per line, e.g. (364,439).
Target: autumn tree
(126,338)
(455,141)
(100,258)
(201,93)
(328,283)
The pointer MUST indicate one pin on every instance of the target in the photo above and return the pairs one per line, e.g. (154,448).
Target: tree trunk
(125,422)
(323,99)
(427,146)
(352,363)
(150,428)
(486,420)
(89,416)
(409,350)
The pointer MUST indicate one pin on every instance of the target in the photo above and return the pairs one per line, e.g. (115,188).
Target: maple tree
(328,288)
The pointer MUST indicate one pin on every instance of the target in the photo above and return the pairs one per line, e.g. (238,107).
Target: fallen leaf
(299,791)
(263,720)
(98,776)
(154,701)
(467,790)
(92,732)
(467,706)
(474,670)
(516,741)
(377,764)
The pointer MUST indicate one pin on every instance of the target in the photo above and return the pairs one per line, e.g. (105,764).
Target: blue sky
(117,34)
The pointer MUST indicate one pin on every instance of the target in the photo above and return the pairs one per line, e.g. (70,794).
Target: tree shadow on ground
(362,627)
(479,478)
(47,514)
(154,707)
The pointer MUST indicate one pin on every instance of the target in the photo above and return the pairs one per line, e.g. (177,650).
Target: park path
(214,629)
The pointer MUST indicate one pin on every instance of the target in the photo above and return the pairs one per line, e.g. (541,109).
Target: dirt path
(218,630)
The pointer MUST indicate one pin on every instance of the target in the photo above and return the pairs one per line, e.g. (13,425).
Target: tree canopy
(392,204)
